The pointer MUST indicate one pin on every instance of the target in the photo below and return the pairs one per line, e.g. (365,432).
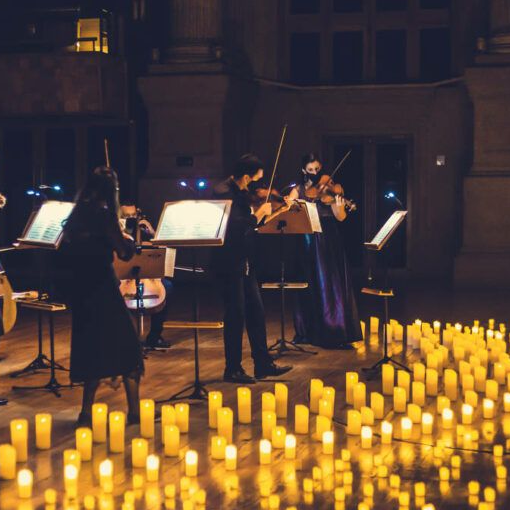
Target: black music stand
(378,243)
(193,223)
(303,220)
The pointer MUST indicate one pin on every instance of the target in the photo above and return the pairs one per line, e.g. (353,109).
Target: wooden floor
(167,372)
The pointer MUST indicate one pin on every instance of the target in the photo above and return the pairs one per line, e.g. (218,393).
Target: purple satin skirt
(325,314)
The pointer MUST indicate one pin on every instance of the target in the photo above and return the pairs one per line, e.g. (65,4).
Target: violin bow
(276,162)
(106,153)
(341,163)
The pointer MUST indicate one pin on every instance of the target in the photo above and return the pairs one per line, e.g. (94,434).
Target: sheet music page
(386,228)
(49,222)
(313,215)
(170,256)
(193,220)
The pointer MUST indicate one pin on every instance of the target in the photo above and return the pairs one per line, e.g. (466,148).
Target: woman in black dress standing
(104,343)
(325,314)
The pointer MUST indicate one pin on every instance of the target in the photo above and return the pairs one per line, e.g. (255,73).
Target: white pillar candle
(139,452)
(83,439)
(25,483)
(351,378)
(117,422)
(406,426)
(43,431)
(290,447)
(281,393)
(226,423)
(244,405)
(328,442)
(427,423)
(215,401)
(191,462)
(488,409)
(450,384)
(301,419)
(99,422)
(268,402)
(366,437)
(147,418)
(418,389)
(467,414)
(316,389)
(152,468)
(268,423)
(377,404)
(388,379)
(447,419)
(218,447)
(106,475)
(19,438)
(359,395)
(264,451)
(386,432)
(167,418)
(171,440)
(182,417)
(353,422)
(399,400)
(7,462)
(230,457)
(278,437)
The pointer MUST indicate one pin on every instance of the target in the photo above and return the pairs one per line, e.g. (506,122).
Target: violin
(326,190)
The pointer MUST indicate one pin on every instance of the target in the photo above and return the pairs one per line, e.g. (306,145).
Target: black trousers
(243,306)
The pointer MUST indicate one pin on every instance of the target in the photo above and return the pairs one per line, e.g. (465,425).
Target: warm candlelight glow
(427,423)
(117,421)
(447,417)
(225,423)
(99,422)
(467,414)
(264,451)
(301,419)
(230,457)
(268,423)
(278,437)
(147,418)
(281,392)
(182,417)
(171,440)
(106,475)
(71,480)
(316,389)
(290,447)
(218,446)
(386,432)
(8,462)
(25,482)
(215,400)
(139,452)
(366,437)
(328,442)
(19,439)
(83,439)
(406,426)
(43,431)
(244,405)
(191,461)
(152,468)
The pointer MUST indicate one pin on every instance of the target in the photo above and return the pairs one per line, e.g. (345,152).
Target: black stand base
(3,401)
(375,369)
(41,362)
(281,346)
(198,392)
(53,386)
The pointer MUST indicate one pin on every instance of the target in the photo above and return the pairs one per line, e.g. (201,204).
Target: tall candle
(167,418)
(218,446)
(147,418)
(467,414)
(386,432)
(499,373)
(406,427)
(172,439)
(351,378)
(268,401)
(72,457)
(427,423)
(281,393)
(450,384)
(268,423)
(377,405)
(139,452)
(25,483)
(7,462)
(244,405)
(404,380)
(83,439)
(419,372)
(447,418)
(418,389)
(353,422)
(506,402)
(71,481)
(231,457)
(117,420)
(215,399)
(491,389)
(301,419)
(225,423)
(367,416)
(322,424)
(328,442)
(316,389)
(290,447)
(182,417)
(152,468)
(374,325)
(19,438)
(399,399)
(388,379)
(441,403)
(480,374)
(414,413)
(43,431)
(366,437)
(278,437)
(264,451)
(359,393)
(326,408)
(471,398)
(99,421)
(191,461)
(329,395)
(106,475)
(488,409)
(431,382)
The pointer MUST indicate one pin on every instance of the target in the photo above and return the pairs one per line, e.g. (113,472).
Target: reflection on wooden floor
(352,475)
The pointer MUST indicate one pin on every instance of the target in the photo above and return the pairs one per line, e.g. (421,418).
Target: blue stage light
(184,184)
(390,194)
(201,184)
(57,187)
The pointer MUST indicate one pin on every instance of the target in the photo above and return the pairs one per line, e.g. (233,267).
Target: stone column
(195,32)
(500,26)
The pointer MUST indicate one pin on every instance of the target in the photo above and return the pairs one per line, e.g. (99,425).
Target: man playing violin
(142,231)
(234,265)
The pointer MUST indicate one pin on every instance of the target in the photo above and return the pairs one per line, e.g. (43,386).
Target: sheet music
(47,226)
(392,222)
(313,215)
(191,220)
(170,256)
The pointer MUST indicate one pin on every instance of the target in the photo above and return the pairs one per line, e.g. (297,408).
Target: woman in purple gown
(325,314)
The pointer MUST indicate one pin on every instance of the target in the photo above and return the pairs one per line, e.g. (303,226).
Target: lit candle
(83,439)
(353,422)
(99,422)
(367,416)
(499,373)
(404,380)
(290,447)
(182,417)
(437,327)
(506,402)
(281,393)
(139,452)
(268,402)
(106,475)
(419,372)
(322,424)
(328,442)
(351,378)
(167,418)
(399,400)
(326,408)
(50,496)
(278,437)
(268,423)
(117,422)
(19,439)
(25,482)
(230,457)
(316,389)
(431,382)
(418,389)
(406,426)
(414,413)
(147,418)
(7,462)
(301,419)
(447,417)
(265,451)
(480,374)
(172,440)
(244,405)
(471,398)
(377,405)
(488,409)
(491,389)
(388,379)
(467,414)
(152,468)
(386,432)
(427,423)
(43,431)
(366,437)
(215,400)
(225,423)
(218,446)
(374,325)
(444,474)
(72,457)
(359,393)
(191,461)
(329,395)
(501,472)
(450,384)
(441,403)
(71,481)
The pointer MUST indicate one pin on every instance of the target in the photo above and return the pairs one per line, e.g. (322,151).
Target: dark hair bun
(249,164)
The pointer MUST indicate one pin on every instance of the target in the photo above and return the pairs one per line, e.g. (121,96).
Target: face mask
(313,178)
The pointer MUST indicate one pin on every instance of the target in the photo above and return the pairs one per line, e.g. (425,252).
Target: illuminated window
(91,35)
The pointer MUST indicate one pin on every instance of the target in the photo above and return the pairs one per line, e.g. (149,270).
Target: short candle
(215,400)
(328,442)
(264,451)
(290,447)
(366,437)
(25,482)
(43,431)
(99,422)
(191,461)
(301,419)
(19,438)
(152,468)
(230,457)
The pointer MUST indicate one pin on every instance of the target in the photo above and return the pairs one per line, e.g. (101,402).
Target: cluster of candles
(459,368)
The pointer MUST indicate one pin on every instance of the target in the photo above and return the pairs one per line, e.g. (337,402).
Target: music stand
(193,223)
(303,219)
(44,229)
(377,244)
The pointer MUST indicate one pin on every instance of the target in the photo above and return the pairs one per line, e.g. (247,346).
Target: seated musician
(129,211)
